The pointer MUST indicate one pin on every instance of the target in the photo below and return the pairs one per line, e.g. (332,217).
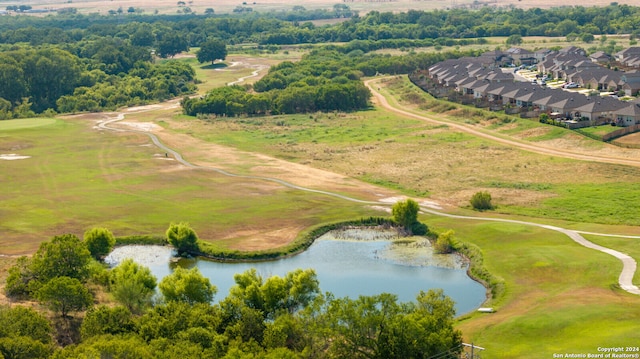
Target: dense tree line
(109,72)
(274,317)
(268,29)
(319,82)
(324,80)
(290,27)
(98,75)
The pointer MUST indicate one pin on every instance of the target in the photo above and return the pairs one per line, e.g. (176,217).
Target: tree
(188,286)
(104,320)
(481,201)
(64,294)
(132,285)
(586,37)
(169,319)
(64,255)
(405,213)
(21,347)
(379,327)
(514,39)
(99,241)
(143,36)
(22,321)
(20,275)
(182,237)
(12,84)
(276,294)
(109,346)
(444,243)
(171,44)
(211,50)
(208,11)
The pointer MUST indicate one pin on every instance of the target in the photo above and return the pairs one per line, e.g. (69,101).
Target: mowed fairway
(560,297)
(79,177)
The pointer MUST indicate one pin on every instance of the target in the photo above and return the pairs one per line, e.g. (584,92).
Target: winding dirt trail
(536,148)
(629,264)
(255,73)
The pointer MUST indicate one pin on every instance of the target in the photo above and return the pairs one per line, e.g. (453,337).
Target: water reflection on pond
(347,263)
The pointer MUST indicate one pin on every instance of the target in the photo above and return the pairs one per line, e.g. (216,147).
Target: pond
(347,263)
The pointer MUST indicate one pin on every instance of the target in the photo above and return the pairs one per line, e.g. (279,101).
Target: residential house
(533,94)
(496,58)
(628,115)
(573,50)
(521,56)
(600,57)
(541,54)
(599,110)
(627,53)
(567,105)
(630,83)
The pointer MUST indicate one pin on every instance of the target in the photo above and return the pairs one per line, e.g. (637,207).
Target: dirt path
(255,73)
(536,148)
(629,264)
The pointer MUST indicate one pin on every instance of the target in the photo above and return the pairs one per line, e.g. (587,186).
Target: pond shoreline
(345,232)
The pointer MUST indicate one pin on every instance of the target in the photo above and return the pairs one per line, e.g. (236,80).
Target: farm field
(227,6)
(559,297)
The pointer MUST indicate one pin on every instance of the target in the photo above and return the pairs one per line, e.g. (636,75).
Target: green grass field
(600,130)
(78,178)
(629,246)
(419,158)
(560,297)
(21,124)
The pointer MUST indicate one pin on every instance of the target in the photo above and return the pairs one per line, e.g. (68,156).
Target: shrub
(183,238)
(419,229)
(481,201)
(444,243)
(405,213)
(99,241)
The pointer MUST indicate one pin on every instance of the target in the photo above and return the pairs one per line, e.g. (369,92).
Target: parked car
(570,85)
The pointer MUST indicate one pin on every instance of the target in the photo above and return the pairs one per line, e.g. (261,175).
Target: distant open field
(227,6)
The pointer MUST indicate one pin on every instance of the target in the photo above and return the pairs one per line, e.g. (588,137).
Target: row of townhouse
(629,57)
(573,66)
(470,77)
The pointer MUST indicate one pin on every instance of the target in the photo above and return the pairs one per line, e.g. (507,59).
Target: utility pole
(472,348)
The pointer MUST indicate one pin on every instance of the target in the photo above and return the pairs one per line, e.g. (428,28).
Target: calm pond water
(344,267)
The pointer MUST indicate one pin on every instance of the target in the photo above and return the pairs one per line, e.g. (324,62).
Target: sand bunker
(423,203)
(12,156)
(141,126)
